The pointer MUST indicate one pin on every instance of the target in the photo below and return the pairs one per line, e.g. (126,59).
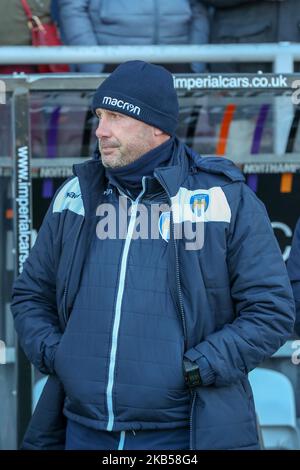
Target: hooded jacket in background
(132,23)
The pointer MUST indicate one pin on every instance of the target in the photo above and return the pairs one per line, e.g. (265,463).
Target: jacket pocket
(57,356)
(55,359)
(247,387)
(223,418)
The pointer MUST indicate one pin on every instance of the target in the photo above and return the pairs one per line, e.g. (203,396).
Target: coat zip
(122,440)
(178,284)
(193,399)
(65,307)
(118,312)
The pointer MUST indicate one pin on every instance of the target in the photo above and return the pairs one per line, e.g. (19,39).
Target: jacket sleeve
(199,33)
(261,294)
(293,266)
(34,305)
(77,28)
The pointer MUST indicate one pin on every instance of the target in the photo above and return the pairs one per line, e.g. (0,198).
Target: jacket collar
(92,181)
(188,161)
(92,178)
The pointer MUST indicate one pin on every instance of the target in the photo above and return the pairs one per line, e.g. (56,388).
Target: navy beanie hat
(142,91)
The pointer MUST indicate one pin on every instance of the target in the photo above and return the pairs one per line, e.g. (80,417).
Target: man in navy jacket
(293,266)
(154,287)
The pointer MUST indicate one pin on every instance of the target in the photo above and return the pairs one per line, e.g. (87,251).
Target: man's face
(122,139)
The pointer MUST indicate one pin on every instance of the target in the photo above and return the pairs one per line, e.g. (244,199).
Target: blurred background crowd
(167,22)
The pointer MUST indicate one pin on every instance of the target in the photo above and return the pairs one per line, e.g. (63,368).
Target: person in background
(14,30)
(250,22)
(134,23)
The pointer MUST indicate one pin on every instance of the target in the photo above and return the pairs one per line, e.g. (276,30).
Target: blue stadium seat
(275,406)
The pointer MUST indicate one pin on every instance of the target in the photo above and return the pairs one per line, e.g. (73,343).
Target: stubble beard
(124,157)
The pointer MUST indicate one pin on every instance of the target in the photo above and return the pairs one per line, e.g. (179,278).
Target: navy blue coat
(229,306)
(293,266)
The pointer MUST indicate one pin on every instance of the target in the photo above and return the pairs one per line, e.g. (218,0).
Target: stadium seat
(275,406)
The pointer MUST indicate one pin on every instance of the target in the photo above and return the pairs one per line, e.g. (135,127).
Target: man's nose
(103,129)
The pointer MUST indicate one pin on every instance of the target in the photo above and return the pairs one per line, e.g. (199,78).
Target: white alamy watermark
(296,353)
(152,223)
(2,92)
(296,93)
(2,352)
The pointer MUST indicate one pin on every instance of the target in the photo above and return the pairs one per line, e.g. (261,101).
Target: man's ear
(158,132)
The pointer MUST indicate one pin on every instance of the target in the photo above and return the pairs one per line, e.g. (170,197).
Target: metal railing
(282,54)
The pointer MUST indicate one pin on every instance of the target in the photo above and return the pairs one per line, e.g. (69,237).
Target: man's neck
(129,177)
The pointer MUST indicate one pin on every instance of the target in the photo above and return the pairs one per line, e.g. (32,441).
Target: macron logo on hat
(121,105)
